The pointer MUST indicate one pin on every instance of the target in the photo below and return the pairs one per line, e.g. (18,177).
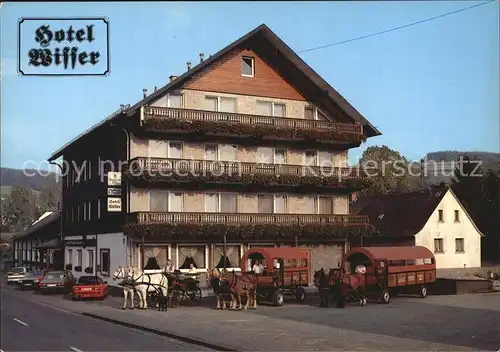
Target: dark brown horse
(237,285)
(343,285)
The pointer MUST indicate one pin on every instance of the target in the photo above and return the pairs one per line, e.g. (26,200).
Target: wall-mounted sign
(114,191)
(91,242)
(114,204)
(114,178)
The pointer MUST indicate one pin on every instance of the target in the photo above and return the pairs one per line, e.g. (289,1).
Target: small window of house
(459,245)
(457,216)
(438,245)
(247,66)
(440,215)
(175,101)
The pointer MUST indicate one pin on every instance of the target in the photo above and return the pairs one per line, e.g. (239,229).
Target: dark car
(32,280)
(57,281)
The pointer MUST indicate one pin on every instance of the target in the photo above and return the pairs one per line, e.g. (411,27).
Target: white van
(14,275)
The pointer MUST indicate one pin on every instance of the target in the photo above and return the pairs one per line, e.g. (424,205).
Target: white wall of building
(449,230)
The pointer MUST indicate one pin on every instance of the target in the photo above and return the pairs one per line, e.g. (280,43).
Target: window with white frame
(91,258)
(79,257)
(325,159)
(459,245)
(89,168)
(325,205)
(269,204)
(175,150)
(233,256)
(89,210)
(211,152)
(221,203)
(310,205)
(270,155)
(195,255)
(105,261)
(157,148)
(166,201)
(269,108)
(221,104)
(169,101)
(310,158)
(99,208)
(313,113)
(69,259)
(227,152)
(438,245)
(247,66)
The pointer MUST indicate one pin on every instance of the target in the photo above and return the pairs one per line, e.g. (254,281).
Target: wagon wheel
(278,298)
(385,296)
(174,296)
(194,293)
(423,291)
(300,294)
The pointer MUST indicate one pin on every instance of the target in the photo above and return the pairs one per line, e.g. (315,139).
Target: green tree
(388,171)
(21,209)
(49,198)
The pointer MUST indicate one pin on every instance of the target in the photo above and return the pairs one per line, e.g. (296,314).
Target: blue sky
(434,86)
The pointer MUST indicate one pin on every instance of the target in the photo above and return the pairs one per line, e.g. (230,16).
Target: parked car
(14,275)
(32,280)
(90,287)
(57,281)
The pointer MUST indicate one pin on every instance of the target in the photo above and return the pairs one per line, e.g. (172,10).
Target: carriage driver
(258,268)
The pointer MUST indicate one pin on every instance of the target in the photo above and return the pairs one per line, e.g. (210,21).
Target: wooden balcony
(234,125)
(247,218)
(167,167)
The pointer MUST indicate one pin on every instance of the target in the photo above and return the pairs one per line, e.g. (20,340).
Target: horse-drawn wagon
(379,272)
(286,271)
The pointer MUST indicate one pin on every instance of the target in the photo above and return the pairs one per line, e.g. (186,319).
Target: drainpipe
(142,253)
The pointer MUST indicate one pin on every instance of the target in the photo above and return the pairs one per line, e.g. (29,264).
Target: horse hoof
(124,307)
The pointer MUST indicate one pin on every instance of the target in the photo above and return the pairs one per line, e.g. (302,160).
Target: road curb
(162,333)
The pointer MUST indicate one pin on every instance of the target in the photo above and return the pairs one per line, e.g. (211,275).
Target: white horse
(128,288)
(144,283)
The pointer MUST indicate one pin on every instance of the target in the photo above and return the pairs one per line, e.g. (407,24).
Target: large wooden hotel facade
(250,144)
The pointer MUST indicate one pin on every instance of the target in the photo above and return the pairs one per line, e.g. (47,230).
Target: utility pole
(61,237)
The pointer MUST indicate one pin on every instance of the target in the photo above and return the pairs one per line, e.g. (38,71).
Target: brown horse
(242,285)
(344,285)
(221,289)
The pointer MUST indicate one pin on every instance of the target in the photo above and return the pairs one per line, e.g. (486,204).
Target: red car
(90,287)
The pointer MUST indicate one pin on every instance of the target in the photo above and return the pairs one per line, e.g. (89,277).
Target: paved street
(445,323)
(29,326)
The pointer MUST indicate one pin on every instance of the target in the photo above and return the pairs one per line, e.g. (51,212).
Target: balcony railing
(278,122)
(164,166)
(248,218)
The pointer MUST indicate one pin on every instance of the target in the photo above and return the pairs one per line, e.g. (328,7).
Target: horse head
(119,273)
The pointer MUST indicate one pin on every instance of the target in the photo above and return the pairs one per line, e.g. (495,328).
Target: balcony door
(269,155)
(227,152)
(221,203)
(165,201)
(325,159)
(157,148)
(272,204)
(175,150)
(325,205)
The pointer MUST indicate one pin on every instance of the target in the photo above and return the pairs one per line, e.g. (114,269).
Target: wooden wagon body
(392,270)
(286,271)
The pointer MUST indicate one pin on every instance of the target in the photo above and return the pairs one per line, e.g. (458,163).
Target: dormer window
(247,66)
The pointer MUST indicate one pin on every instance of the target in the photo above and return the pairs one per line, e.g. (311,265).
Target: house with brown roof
(436,220)
(249,145)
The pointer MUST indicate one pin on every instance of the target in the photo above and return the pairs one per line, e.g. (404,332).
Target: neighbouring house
(39,246)
(436,220)
(231,149)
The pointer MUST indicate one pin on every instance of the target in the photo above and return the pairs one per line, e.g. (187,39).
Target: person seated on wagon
(169,268)
(258,268)
(360,269)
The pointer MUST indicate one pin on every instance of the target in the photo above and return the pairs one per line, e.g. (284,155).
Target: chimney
(188,65)
(144,92)
(171,78)
(202,57)
(156,88)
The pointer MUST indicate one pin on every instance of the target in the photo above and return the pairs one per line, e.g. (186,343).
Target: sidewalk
(243,331)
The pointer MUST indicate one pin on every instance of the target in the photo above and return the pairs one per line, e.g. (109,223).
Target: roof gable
(224,76)
(292,65)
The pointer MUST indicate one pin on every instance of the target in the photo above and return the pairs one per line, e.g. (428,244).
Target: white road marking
(20,322)
(75,349)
